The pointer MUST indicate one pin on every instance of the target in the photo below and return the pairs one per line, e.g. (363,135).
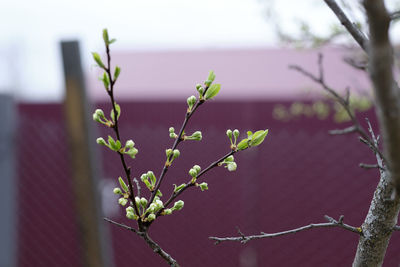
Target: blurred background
(56,184)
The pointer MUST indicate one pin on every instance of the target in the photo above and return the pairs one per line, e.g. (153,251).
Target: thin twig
(347,130)
(153,245)
(344,102)
(137,186)
(331,223)
(369,166)
(394,15)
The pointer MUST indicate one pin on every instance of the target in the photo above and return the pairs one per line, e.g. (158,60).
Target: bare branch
(351,27)
(330,224)
(360,65)
(344,102)
(369,166)
(347,130)
(153,245)
(396,228)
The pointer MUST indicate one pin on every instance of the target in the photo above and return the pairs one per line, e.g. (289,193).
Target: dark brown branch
(369,166)
(351,27)
(115,127)
(153,245)
(330,224)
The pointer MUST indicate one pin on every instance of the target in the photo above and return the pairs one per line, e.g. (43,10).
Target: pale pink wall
(244,74)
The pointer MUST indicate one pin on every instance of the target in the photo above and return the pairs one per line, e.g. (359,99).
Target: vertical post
(8,201)
(85,175)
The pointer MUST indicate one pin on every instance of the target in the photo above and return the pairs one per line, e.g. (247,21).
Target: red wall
(296,177)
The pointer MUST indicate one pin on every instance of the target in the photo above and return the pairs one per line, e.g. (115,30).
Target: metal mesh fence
(296,177)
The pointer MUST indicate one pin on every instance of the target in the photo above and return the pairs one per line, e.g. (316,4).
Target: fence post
(84,166)
(8,184)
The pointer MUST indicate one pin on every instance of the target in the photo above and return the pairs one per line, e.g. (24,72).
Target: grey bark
(384,209)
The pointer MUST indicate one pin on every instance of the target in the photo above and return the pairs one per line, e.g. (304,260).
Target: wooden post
(8,184)
(85,168)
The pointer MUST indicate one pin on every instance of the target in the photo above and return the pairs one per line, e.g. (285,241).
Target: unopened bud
(171,129)
(101,141)
(178,205)
(129,144)
(193,172)
(143,202)
(117,191)
(122,201)
(236,133)
(176,153)
(231,166)
(203,186)
(197,168)
(229,133)
(151,217)
(167,211)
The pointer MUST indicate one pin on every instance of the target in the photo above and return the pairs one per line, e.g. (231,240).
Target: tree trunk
(378,225)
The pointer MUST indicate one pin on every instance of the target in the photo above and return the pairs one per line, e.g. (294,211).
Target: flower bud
(193,173)
(122,201)
(229,133)
(195,136)
(130,209)
(137,201)
(191,100)
(197,168)
(171,130)
(99,113)
(131,216)
(168,152)
(101,141)
(122,184)
(132,152)
(178,205)
(117,191)
(151,217)
(176,153)
(152,177)
(236,133)
(129,144)
(203,186)
(143,202)
(167,211)
(232,166)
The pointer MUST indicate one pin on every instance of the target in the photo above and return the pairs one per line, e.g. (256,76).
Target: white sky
(30,31)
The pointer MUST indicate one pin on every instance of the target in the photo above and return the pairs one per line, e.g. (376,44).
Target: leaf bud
(176,153)
(101,141)
(117,191)
(193,173)
(122,184)
(178,205)
(231,166)
(203,186)
(167,211)
(151,217)
(122,201)
(129,144)
(197,168)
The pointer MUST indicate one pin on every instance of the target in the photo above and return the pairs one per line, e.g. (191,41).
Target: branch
(331,223)
(396,228)
(386,89)
(153,245)
(394,15)
(351,27)
(344,102)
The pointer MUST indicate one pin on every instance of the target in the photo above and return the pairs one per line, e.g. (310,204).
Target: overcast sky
(31,31)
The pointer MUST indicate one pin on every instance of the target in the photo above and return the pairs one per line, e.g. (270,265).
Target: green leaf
(159,194)
(243,144)
(105,36)
(249,134)
(117,71)
(211,76)
(97,58)
(178,188)
(212,91)
(258,137)
(118,108)
(112,143)
(105,80)
(122,184)
(112,41)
